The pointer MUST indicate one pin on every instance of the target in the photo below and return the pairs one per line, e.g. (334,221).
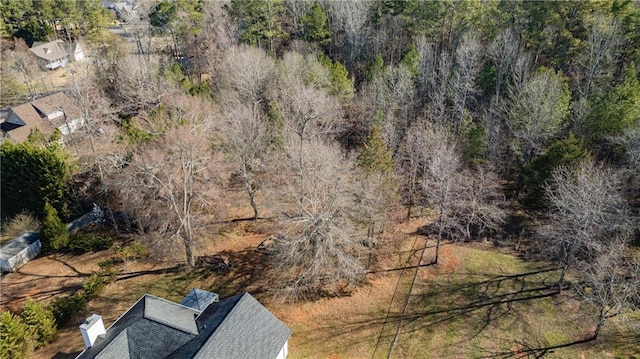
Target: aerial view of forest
(391,179)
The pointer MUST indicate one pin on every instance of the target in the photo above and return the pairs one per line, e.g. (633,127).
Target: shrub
(15,341)
(93,286)
(40,321)
(64,309)
(107,271)
(133,251)
(21,223)
(83,243)
(54,231)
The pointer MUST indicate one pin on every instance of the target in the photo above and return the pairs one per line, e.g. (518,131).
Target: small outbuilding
(20,250)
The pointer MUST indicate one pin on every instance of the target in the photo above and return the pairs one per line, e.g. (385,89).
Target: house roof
(30,118)
(49,51)
(58,101)
(248,331)
(25,117)
(236,327)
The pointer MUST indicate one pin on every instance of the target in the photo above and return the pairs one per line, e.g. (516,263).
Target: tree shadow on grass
(160,271)
(248,271)
(478,304)
(523,349)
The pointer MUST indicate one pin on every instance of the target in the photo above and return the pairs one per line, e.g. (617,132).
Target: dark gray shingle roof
(236,327)
(143,332)
(249,331)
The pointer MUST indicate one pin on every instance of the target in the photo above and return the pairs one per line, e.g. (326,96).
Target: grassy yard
(477,303)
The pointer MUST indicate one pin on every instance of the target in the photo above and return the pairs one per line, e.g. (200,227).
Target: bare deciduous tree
(467,203)
(387,101)
(306,108)
(246,71)
(170,186)
(438,109)
(593,64)
(463,88)
(132,89)
(610,284)
(503,51)
(588,215)
(398,105)
(411,166)
(481,209)
(439,181)
(631,142)
(536,112)
(318,250)
(350,18)
(247,144)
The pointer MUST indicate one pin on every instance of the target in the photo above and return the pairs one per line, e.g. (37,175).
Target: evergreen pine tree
(40,320)
(315,25)
(375,156)
(15,342)
(54,231)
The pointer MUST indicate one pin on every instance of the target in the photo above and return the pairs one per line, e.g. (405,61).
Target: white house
(50,55)
(56,54)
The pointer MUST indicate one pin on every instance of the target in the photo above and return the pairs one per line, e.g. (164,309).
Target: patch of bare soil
(46,277)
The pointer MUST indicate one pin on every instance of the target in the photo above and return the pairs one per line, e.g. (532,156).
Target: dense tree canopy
(33,174)
(321,117)
(40,20)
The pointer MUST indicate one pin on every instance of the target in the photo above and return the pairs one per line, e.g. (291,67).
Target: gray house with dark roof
(236,327)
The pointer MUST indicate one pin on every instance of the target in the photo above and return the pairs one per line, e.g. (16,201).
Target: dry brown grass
(437,324)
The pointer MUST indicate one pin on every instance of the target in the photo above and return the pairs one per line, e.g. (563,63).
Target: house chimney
(91,329)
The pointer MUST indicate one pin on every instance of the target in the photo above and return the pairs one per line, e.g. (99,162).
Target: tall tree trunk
(439,239)
(188,247)
(247,175)
(599,325)
(253,202)
(435,259)
(565,266)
